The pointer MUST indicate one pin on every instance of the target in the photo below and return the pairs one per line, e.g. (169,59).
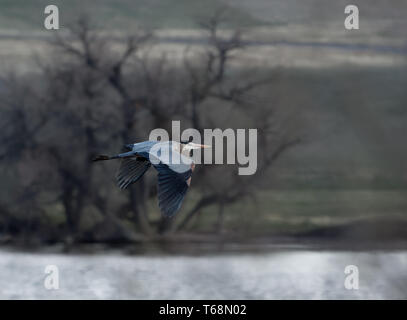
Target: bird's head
(188,146)
(194,146)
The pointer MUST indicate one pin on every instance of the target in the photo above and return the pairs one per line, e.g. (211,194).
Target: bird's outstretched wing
(174,173)
(131,169)
(172,188)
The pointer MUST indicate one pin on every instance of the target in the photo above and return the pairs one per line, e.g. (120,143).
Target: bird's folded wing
(172,188)
(131,169)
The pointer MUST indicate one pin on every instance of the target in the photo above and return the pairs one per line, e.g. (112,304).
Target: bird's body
(171,160)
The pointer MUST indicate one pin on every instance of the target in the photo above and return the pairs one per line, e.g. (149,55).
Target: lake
(278,274)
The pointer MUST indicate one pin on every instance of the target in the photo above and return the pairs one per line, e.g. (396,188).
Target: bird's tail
(101,157)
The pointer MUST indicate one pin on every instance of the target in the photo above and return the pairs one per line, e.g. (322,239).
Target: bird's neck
(185,151)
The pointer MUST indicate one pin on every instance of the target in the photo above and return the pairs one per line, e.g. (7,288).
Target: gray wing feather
(172,188)
(131,170)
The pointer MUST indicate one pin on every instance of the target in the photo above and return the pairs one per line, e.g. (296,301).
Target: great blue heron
(172,161)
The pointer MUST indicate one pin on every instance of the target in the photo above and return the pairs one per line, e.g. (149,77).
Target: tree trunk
(137,204)
(221,219)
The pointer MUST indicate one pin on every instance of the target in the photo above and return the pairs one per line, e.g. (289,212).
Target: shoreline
(184,247)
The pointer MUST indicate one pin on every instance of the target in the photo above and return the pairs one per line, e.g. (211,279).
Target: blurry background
(329,105)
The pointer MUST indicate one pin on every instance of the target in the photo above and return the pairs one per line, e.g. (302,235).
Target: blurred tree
(97,92)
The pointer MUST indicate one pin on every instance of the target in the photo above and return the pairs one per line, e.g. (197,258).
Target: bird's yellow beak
(204,146)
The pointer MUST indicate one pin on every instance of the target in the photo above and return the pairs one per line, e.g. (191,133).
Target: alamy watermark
(240,147)
(51,281)
(352,277)
(352,20)
(51,21)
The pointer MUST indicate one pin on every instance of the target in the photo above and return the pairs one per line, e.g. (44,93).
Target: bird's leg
(119,156)
(104,157)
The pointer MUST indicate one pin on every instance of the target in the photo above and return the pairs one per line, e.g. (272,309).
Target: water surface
(287,274)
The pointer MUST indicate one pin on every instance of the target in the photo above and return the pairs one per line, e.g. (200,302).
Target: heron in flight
(172,161)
